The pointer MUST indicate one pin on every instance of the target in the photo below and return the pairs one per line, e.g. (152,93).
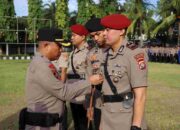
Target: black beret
(94,25)
(50,34)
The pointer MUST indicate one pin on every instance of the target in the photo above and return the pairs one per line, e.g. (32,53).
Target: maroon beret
(79,29)
(115,21)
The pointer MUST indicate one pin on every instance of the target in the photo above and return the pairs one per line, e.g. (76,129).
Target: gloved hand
(135,128)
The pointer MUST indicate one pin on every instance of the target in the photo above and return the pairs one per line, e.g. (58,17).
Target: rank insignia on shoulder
(140,60)
(131,45)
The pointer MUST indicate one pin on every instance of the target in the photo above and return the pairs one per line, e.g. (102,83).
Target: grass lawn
(162,108)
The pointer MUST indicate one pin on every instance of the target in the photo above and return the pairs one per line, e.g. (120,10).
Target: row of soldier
(164,54)
(111,76)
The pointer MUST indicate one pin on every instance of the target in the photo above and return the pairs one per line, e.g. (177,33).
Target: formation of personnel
(114,73)
(164,54)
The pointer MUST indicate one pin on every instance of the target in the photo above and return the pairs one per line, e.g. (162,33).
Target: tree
(61,16)
(49,11)
(109,7)
(7,20)
(140,12)
(168,10)
(34,18)
(84,11)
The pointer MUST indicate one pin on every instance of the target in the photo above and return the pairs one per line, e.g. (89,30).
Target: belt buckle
(82,76)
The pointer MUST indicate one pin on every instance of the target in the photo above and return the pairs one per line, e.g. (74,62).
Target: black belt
(38,119)
(117,97)
(76,76)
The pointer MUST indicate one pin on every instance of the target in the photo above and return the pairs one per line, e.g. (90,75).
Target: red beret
(79,29)
(115,21)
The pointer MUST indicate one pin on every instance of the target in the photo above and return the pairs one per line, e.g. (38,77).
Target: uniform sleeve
(138,68)
(63,61)
(47,81)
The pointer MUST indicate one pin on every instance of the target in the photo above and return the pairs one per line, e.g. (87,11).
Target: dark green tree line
(34,15)
(7,18)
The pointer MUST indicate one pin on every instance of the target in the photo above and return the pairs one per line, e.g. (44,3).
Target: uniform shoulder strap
(112,86)
(131,45)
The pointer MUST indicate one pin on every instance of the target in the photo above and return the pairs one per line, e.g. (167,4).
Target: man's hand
(96,79)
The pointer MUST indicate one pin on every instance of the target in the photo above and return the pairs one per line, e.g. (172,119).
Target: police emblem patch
(140,60)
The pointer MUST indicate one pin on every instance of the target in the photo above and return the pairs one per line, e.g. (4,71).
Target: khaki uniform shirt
(127,69)
(79,60)
(95,60)
(46,93)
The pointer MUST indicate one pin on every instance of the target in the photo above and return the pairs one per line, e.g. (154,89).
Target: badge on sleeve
(140,60)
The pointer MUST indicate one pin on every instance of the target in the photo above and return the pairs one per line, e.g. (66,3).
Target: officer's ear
(122,32)
(83,37)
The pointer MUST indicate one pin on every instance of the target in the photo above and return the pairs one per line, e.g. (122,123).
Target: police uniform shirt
(95,60)
(63,60)
(45,92)
(79,58)
(127,69)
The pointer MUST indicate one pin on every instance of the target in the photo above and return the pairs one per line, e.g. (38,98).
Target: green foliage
(168,10)
(7,19)
(88,9)
(34,15)
(167,22)
(108,6)
(140,12)
(61,15)
(167,7)
(84,11)
(49,10)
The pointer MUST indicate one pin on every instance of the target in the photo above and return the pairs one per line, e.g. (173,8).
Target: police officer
(94,60)
(125,72)
(77,71)
(45,93)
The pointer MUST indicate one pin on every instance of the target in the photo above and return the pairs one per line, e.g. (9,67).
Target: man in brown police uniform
(94,61)
(77,71)
(125,72)
(45,93)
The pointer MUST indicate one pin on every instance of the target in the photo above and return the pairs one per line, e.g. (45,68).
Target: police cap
(50,34)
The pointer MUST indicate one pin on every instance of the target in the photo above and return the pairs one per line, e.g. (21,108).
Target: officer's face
(98,37)
(53,51)
(77,39)
(112,36)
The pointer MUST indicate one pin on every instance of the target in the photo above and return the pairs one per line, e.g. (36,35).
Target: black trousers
(97,118)
(64,122)
(79,117)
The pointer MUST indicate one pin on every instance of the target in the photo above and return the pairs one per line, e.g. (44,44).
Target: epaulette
(131,45)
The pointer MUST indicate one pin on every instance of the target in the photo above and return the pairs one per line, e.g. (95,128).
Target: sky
(21,6)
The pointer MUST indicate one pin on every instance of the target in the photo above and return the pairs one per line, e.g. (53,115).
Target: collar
(120,51)
(84,46)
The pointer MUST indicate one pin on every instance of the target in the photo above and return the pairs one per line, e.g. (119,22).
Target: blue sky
(21,6)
